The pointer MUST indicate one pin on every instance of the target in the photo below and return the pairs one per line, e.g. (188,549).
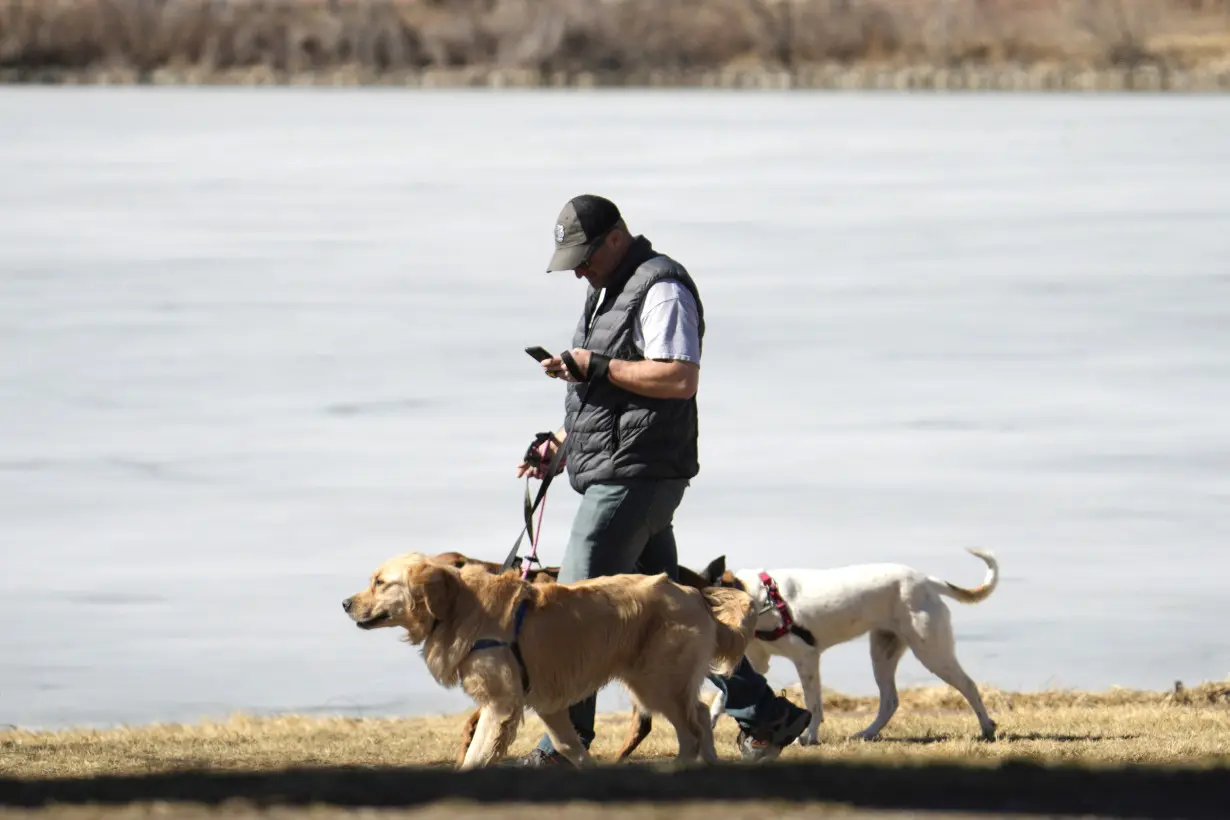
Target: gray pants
(628,528)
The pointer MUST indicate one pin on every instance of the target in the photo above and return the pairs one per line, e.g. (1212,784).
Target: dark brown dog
(642,722)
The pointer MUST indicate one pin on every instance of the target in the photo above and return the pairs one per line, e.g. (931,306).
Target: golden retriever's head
(410,591)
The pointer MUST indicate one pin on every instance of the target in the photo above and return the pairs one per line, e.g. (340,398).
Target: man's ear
(713,573)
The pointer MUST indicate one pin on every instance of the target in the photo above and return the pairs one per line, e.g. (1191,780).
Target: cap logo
(559,233)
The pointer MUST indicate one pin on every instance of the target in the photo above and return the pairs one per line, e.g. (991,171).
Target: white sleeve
(670,323)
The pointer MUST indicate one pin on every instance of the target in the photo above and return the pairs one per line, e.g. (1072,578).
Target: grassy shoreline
(1025,45)
(1185,727)
(822,77)
(1112,753)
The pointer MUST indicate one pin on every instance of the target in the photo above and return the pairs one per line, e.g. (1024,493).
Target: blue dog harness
(492,643)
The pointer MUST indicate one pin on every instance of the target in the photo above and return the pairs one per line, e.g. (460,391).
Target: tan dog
(642,722)
(513,645)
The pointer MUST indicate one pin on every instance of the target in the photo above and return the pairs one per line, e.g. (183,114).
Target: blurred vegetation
(609,37)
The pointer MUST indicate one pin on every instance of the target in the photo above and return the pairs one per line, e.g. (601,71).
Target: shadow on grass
(925,740)
(1145,792)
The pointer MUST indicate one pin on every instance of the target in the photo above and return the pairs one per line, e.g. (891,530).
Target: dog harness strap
(514,645)
(783,609)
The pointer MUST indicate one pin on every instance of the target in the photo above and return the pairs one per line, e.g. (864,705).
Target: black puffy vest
(613,434)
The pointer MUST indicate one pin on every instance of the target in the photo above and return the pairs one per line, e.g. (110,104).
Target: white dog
(806,611)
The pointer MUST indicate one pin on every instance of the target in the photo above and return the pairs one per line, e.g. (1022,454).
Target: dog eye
(379,582)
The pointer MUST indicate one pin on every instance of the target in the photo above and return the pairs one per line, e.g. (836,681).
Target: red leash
(532,558)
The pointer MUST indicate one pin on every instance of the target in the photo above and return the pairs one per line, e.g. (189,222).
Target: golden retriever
(514,645)
(642,722)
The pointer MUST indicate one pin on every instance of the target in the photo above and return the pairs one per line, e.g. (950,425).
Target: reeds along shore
(994,44)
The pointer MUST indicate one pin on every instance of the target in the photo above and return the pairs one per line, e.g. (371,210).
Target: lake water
(252,342)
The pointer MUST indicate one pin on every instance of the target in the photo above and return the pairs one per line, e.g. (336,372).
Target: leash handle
(553,469)
(571,363)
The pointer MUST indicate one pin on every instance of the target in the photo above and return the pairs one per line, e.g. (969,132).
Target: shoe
(766,742)
(537,758)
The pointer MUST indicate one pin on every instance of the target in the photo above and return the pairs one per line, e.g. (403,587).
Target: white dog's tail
(977,594)
(735,614)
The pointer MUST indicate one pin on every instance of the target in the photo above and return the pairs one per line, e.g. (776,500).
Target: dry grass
(611,37)
(1118,753)
(1189,728)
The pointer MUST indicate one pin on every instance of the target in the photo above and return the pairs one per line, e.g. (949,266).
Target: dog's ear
(439,585)
(713,573)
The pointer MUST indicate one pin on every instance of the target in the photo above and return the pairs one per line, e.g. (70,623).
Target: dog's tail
(979,593)
(735,614)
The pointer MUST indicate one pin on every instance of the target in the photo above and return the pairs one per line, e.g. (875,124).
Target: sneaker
(766,742)
(537,758)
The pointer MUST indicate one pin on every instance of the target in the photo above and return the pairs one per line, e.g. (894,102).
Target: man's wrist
(599,367)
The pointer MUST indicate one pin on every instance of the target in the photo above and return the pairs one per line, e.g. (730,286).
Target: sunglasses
(583,266)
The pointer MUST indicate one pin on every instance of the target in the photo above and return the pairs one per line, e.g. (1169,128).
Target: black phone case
(539,353)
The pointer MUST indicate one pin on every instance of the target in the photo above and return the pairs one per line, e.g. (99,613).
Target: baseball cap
(583,220)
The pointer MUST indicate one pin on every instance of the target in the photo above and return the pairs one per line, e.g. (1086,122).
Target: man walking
(630,437)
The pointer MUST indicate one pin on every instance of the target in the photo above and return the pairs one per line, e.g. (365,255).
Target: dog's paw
(988,733)
(864,735)
(808,739)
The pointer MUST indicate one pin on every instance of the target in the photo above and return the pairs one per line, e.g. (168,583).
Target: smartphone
(538,353)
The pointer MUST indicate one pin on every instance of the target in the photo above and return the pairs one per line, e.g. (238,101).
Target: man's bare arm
(655,378)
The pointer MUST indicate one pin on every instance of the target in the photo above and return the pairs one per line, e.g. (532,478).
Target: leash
(534,457)
(532,558)
(783,610)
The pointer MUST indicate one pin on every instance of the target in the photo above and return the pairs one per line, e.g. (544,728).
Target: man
(630,433)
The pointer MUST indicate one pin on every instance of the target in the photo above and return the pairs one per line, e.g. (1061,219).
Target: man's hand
(556,368)
(537,467)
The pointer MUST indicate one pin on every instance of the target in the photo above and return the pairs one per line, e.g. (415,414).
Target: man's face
(601,263)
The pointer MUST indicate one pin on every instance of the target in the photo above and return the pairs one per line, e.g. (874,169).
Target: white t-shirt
(668,325)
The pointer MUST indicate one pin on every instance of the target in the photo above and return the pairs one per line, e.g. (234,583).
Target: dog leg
(686,713)
(641,726)
(935,648)
(689,734)
(507,734)
(808,667)
(467,736)
(886,651)
(490,731)
(708,751)
(717,708)
(677,703)
(565,739)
